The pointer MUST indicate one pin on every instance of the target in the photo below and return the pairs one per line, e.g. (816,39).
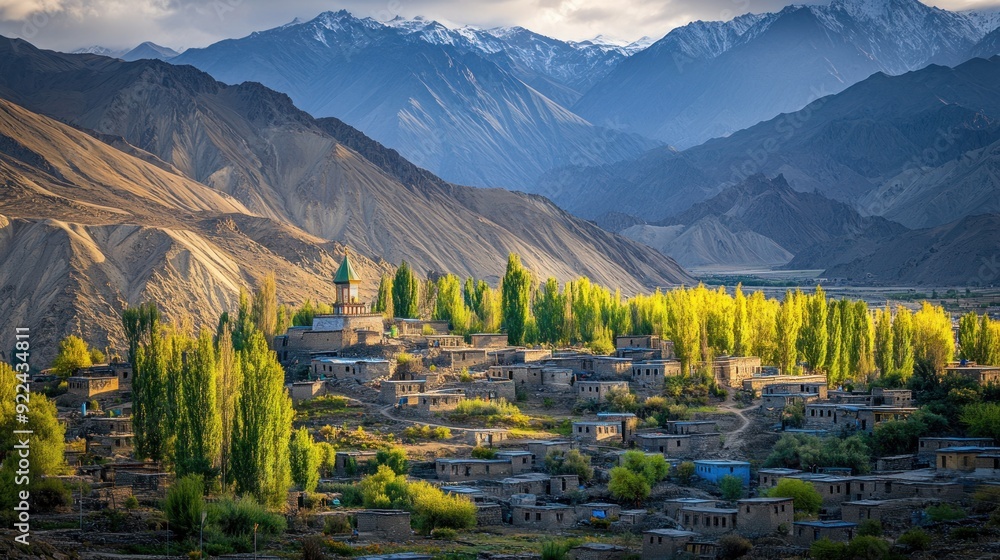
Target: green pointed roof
(345,274)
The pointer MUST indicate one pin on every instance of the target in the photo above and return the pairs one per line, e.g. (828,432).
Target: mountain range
(146,180)
(452,101)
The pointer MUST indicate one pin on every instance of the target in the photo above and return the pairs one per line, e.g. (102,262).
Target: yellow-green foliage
(427,432)
(495,412)
(431,507)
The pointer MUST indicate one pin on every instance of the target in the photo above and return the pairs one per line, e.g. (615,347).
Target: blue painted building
(714,470)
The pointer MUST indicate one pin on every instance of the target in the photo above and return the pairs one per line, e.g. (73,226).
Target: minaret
(347,283)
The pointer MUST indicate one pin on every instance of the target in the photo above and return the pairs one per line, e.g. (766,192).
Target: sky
(69,24)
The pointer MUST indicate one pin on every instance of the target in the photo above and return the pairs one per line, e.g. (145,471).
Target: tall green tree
(451,306)
(684,327)
(149,382)
(199,424)
(229,382)
(815,334)
(304,459)
(989,342)
(902,341)
(264,310)
(787,327)
(262,426)
(383,302)
(47,440)
(836,370)
(968,336)
(741,323)
(885,358)
(549,312)
(516,300)
(932,336)
(406,292)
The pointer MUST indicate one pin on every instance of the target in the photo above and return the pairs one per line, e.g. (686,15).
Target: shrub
(867,548)
(547,402)
(570,462)
(433,509)
(602,524)
(731,487)
(557,550)
(442,432)
(236,518)
(496,412)
(628,486)
(394,458)
(465,376)
(444,534)
(184,504)
(825,549)
(732,547)
(131,503)
(484,453)
(350,494)
(915,540)
(336,525)
(313,549)
(432,368)
(653,468)
(944,512)
(621,399)
(685,472)
(805,498)
(800,451)
(870,528)
(50,494)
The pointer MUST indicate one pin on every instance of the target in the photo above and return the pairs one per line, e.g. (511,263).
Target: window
(538,516)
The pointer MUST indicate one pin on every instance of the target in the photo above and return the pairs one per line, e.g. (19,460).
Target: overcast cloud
(68,24)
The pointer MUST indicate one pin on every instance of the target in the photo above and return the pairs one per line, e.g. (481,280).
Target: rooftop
(827,523)
(672,533)
(722,462)
(345,273)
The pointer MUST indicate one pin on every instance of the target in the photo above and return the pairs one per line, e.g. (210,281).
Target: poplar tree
(406,293)
(516,300)
(264,311)
(836,370)
(968,336)
(988,344)
(684,327)
(549,312)
(884,356)
(148,355)
(199,425)
(383,302)
(262,426)
(814,335)
(902,341)
(933,340)
(304,460)
(451,306)
(229,382)
(741,323)
(787,328)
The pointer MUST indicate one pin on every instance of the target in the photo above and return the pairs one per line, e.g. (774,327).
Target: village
(534,438)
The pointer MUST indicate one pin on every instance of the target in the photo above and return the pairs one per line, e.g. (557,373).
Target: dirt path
(387,412)
(734,438)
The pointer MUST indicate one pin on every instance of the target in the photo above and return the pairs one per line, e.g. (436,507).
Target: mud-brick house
(708,521)
(489,340)
(891,513)
(713,470)
(927,447)
(391,390)
(547,517)
(672,507)
(804,533)
(91,386)
(598,390)
(358,369)
(658,544)
(350,463)
(961,459)
(629,423)
(598,510)
(539,449)
(732,370)
(758,517)
(390,525)
(486,437)
(768,478)
(653,374)
(596,432)
(611,367)
(462,470)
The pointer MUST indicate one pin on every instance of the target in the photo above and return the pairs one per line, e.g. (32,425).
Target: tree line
(841,338)
(213,403)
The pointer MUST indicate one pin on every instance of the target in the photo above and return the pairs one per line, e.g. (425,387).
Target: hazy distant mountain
(103,51)
(764,222)
(710,79)
(447,108)
(905,147)
(148,50)
(961,253)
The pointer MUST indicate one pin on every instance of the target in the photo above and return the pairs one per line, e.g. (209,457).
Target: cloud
(68,24)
